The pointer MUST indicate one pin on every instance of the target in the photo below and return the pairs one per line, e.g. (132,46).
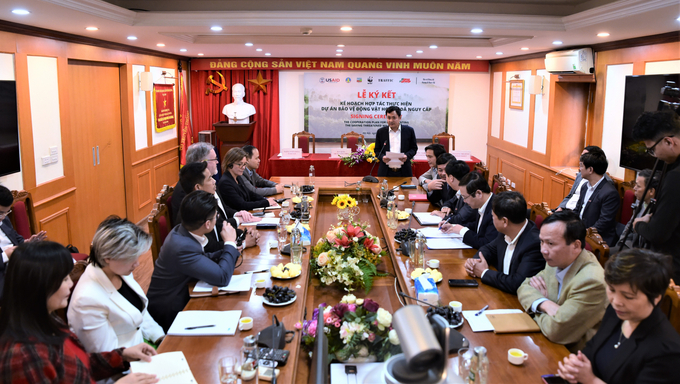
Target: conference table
(324,165)
(203,353)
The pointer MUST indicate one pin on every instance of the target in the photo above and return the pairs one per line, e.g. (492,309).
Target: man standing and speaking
(395,138)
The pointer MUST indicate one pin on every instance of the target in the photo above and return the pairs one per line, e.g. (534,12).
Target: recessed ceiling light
(200,54)
(603,34)
(419,51)
(216,28)
(259,49)
(433,46)
(132,37)
(557,42)
(338,54)
(525,48)
(160,45)
(92,28)
(346,29)
(20,12)
(338,50)
(183,50)
(409,55)
(249,44)
(479,57)
(267,54)
(341,45)
(476,30)
(678,19)
(499,53)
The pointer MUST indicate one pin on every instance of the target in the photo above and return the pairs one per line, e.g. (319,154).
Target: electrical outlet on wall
(53,152)
(54,159)
(46,160)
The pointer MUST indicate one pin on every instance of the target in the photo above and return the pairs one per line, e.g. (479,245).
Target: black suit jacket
(460,211)
(15,238)
(601,210)
(487,231)
(181,261)
(237,195)
(409,147)
(527,260)
(178,195)
(439,197)
(650,355)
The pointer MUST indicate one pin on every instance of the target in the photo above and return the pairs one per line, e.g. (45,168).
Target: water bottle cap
(249,341)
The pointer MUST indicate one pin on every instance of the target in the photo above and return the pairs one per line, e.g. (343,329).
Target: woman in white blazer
(108,308)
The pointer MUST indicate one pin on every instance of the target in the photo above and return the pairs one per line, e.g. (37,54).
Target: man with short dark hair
(430,180)
(455,210)
(599,201)
(255,182)
(439,195)
(480,230)
(515,253)
(182,258)
(660,131)
(568,297)
(395,138)
(571,199)
(643,179)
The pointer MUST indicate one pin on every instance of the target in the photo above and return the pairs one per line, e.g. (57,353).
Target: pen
(482,310)
(261,270)
(200,326)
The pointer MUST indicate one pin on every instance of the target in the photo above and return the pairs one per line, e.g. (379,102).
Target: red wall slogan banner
(341,64)
(164,106)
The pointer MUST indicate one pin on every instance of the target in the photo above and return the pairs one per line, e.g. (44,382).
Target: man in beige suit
(568,297)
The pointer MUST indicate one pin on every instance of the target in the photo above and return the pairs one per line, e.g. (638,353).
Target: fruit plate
(437,282)
(286,278)
(291,301)
(462,321)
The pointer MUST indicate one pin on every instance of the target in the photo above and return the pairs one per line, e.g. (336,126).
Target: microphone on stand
(369,178)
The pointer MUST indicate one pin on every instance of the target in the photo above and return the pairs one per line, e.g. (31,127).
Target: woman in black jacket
(231,186)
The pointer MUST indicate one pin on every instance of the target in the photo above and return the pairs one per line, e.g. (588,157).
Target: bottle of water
(479,368)
(392,213)
(296,245)
(383,189)
(304,212)
(312,174)
(249,360)
(421,245)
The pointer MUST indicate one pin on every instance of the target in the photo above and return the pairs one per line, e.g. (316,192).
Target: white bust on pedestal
(239,111)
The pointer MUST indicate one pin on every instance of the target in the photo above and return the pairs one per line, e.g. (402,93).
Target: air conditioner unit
(575,61)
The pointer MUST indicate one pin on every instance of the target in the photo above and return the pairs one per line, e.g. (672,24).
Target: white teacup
(408,210)
(259,283)
(245,324)
(456,305)
(401,197)
(517,356)
(433,263)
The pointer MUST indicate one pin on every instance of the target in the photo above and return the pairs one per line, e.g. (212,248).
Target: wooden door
(94,100)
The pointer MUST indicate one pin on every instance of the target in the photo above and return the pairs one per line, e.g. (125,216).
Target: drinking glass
(283,235)
(225,367)
(465,356)
(294,189)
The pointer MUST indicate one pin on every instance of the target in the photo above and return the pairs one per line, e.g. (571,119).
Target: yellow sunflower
(342,204)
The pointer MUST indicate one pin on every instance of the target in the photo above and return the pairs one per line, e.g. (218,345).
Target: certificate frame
(516,99)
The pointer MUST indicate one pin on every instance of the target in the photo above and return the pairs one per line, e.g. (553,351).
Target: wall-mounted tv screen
(9,129)
(646,93)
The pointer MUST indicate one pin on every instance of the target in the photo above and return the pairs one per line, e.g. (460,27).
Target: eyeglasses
(215,160)
(465,197)
(651,150)
(242,165)
(4,214)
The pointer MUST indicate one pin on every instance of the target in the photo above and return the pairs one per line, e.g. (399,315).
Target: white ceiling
(381,28)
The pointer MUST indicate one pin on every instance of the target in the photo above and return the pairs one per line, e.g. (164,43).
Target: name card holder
(462,155)
(291,153)
(340,152)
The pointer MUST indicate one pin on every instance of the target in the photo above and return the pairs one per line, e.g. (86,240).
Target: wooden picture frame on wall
(516,99)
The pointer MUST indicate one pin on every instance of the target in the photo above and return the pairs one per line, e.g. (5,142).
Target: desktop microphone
(369,178)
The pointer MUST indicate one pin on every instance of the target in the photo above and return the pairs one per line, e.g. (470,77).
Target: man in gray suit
(255,182)
(182,258)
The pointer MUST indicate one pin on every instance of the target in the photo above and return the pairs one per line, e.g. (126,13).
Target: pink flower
(371,337)
(329,320)
(298,325)
(371,245)
(337,324)
(353,231)
(344,242)
(352,307)
(330,236)
(312,328)
(371,305)
(322,259)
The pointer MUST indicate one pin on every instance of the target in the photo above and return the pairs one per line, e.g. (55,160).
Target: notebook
(417,197)
(169,367)
(205,323)
(237,283)
(512,323)
(427,218)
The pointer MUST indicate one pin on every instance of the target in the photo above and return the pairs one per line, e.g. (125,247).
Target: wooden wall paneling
(56,221)
(532,114)
(535,191)
(557,191)
(568,121)
(514,172)
(25,120)
(144,192)
(165,172)
(492,163)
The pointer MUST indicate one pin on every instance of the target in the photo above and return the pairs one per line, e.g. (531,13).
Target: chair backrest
(627,206)
(597,245)
(483,170)
(23,214)
(670,305)
(539,212)
(165,195)
(303,141)
(159,227)
(352,140)
(446,139)
(500,184)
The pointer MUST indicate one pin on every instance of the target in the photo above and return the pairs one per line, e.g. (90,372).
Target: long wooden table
(203,352)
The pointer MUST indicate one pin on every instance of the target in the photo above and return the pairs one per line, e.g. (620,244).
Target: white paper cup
(433,263)
(408,210)
(245,324)
(456,305)
(517,356)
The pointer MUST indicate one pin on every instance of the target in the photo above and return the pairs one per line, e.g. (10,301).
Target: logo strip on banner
(341,64)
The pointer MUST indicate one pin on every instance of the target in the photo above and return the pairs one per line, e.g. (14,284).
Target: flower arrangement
(357,330)
(344,201)
(363,153)
(347,255)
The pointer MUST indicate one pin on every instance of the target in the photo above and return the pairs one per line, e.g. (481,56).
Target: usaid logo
(322,80)
(330,80)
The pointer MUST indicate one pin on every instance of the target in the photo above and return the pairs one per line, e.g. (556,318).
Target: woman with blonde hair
(231,187)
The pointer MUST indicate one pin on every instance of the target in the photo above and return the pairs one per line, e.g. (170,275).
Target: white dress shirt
(395,139)
(510,250)
(589,192)
(5,243)
(571,204)
(481,216)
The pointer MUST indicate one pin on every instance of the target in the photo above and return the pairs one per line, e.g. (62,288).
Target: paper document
(265,220)
(394,159)
(432,232)
(427,218)
(211,323)
(481,323)
(446,243)
(238,283)
(169,367)
(366,373)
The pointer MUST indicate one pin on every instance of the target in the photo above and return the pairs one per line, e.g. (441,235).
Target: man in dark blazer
(599,201)
(456,210)
(571,199)
(480,230)
(515,253)
(395,138)
(438,197)
(182,258)
(196,153)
